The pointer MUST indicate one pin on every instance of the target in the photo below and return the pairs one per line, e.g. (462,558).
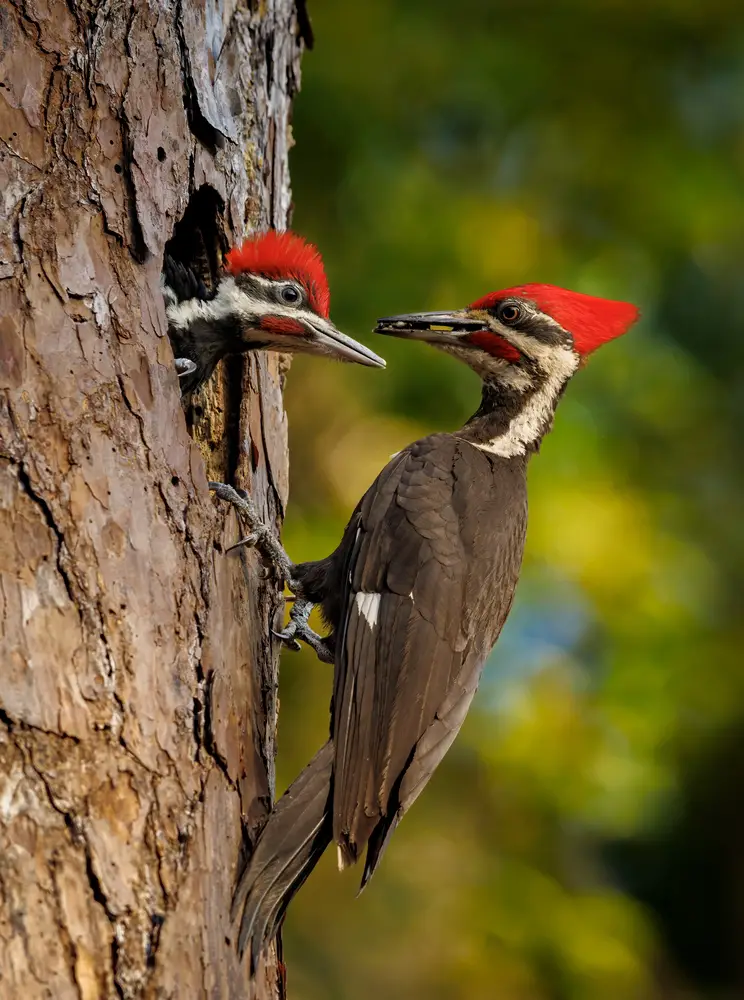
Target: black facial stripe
(256,288)
(533,324)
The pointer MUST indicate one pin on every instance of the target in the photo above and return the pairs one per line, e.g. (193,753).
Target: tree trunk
(137,679)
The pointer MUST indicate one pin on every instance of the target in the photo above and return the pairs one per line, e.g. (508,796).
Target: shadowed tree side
(137,680)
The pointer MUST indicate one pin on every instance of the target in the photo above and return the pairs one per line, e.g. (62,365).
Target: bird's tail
(290,845)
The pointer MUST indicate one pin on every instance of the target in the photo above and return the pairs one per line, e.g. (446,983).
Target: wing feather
(423,566)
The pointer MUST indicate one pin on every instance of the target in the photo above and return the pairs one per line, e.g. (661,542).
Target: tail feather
(376,845)
(296,834)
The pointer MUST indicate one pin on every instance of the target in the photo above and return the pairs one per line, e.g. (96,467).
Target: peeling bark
(137,679)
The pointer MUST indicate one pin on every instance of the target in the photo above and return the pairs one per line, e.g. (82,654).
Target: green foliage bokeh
(580,840)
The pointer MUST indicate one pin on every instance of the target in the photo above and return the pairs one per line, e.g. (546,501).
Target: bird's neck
(517,410)
(206,331)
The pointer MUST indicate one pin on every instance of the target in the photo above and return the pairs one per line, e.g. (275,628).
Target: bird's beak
(433,327)
(324,338)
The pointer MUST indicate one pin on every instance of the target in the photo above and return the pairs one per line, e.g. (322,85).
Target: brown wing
(429,579)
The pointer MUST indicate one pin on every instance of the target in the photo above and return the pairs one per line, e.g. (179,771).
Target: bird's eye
(509,313)
(290,294)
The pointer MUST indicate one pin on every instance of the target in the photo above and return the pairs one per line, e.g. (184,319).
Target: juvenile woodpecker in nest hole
(418,590)
(273,296)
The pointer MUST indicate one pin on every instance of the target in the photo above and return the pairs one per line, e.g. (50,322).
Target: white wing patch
(368,605)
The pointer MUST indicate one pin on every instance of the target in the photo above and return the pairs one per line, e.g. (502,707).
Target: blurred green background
(585,836)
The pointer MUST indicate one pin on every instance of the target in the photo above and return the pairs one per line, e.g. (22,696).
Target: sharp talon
(184,366)
(248,542)
(287,640)
(259,536)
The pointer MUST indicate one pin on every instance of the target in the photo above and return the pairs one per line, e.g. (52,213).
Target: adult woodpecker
(273,295)
(418,590)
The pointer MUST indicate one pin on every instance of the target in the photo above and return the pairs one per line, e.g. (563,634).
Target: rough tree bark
(137,682)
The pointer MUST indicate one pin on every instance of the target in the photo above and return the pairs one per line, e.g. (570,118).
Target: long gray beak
(337,344)
(433,327)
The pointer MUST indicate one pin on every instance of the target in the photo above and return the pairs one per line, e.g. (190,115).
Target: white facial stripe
(558,364)
(545,356)
(168,294)
(368,605)
(516,378)
(229,303)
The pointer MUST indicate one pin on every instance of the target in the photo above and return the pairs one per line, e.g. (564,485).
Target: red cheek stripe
(494,345)
(280,324)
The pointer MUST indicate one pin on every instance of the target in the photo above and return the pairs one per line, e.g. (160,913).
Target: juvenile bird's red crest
(591,321)
(284,255)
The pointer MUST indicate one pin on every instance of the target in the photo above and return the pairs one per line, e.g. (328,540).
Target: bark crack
(138,247)
(209,743)
(43,506)
(137,416)
(78,838)
(67,941)
(200,128)
(21,725)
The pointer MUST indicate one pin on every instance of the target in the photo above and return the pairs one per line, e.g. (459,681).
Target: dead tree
(137,679)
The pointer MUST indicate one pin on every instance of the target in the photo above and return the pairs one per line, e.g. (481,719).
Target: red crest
(284,255)
(590,321)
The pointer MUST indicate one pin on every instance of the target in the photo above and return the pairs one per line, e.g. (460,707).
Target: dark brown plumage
(416,595)
(444,559)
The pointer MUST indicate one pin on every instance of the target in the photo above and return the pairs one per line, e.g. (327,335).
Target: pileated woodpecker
(418,590)
(272,296)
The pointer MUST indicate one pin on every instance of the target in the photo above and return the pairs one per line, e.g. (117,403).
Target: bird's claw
(249,542)
(226,492)
(287,638)
(259,536)
(184,366)
(298,629)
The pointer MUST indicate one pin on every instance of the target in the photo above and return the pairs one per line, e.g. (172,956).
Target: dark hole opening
(198,240)
(199,243)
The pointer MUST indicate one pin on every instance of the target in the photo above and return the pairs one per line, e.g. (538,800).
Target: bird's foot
(298,628)
(259,536)
(184,366)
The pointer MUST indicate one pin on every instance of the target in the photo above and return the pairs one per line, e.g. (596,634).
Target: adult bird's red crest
(419,588)
(533,322)
(591,321)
